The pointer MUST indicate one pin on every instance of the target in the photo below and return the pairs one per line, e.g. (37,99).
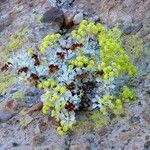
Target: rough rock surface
(132,132)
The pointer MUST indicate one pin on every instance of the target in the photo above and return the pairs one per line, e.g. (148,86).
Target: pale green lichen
(91,122)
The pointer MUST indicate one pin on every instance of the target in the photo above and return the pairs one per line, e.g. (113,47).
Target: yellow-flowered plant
(80,62)
(96,59)
(53,101)
(113,61)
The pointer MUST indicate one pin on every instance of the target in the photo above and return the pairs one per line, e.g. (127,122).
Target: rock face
(129,133)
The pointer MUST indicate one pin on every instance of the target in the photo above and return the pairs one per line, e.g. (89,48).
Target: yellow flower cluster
(104,101)
(127,94)
(53,95)
(63,128)
(49,40)
(80,62)
(50,83)
(114,60)
(52,100)
(87,28)
(15,43)
(113,104)
(118,106)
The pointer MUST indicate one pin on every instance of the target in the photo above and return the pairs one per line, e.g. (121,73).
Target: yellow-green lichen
(18,95)
(6,81)
(15,42)
(115,33)
(134,46)
(92,121)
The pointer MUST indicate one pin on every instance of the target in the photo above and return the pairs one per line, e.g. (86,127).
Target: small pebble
(69,18)
(15,144)
(37,139)
(78,18)
(5,116)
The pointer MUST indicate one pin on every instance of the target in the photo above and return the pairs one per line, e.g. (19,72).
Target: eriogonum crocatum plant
(95,58)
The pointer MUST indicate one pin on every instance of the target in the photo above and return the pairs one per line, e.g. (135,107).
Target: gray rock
(32,96)
(30,101)
(5,116)
(52,2)
(13,91)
